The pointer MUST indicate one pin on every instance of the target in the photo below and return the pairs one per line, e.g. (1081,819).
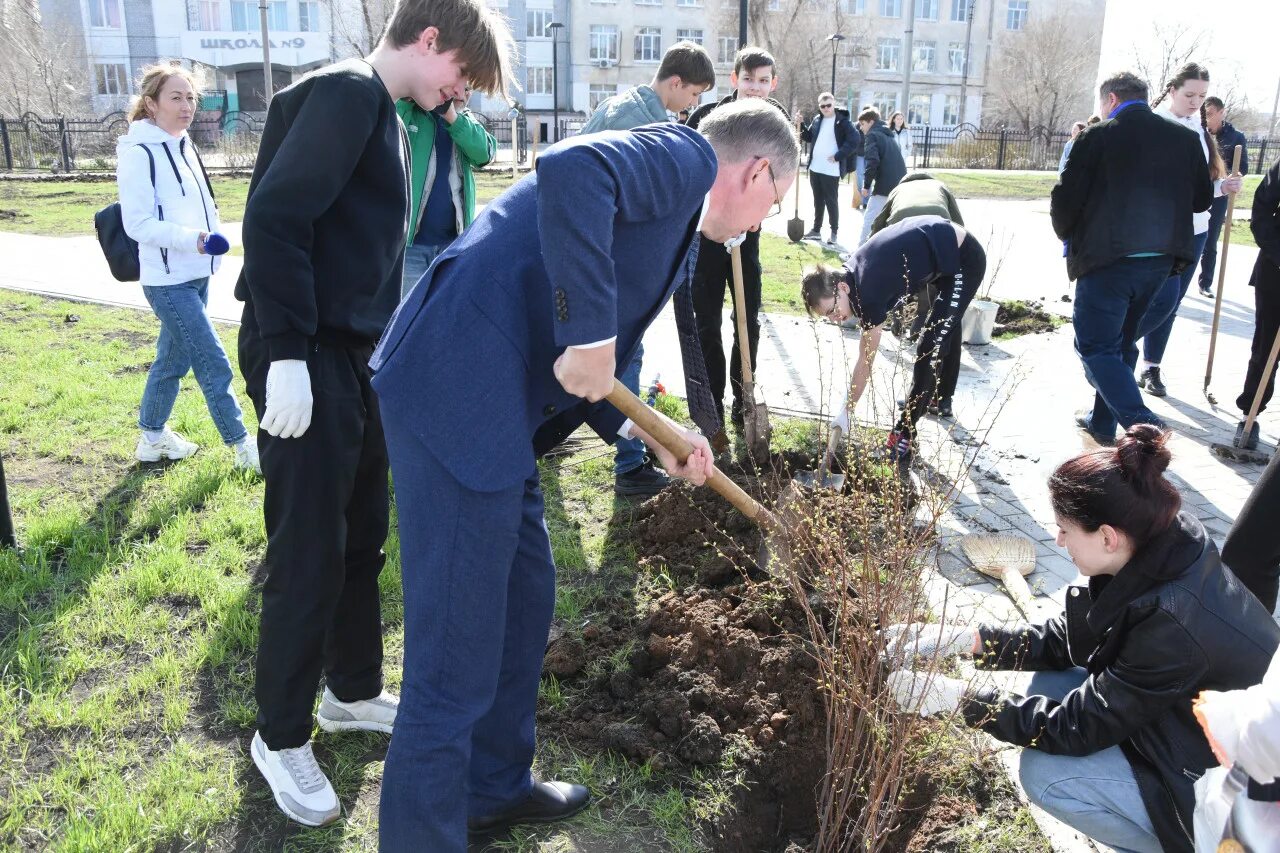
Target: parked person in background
(167,206)
(895,263)
(901,134)
(885,167)
(1066,149)
(324,238)
(1265,225)
(832,139)
(685,73)
(445,145)
(1186,93)
(1112,747)
(754,75)
(1124,205)
(1228,138)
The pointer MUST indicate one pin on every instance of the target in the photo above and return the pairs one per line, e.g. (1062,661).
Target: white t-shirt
(823,147)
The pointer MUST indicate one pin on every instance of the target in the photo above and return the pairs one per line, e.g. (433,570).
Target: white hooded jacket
(165,220)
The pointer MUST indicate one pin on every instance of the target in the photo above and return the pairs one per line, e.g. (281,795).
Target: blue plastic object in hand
(216,244)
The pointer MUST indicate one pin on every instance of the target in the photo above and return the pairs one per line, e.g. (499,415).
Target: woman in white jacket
(901,134)
(167,206)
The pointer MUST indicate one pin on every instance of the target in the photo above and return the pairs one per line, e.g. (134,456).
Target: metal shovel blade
(795,230)
(818,480)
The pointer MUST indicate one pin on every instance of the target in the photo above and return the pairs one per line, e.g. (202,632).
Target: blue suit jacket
(590,246)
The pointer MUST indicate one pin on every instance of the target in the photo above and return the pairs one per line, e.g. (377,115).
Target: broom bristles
(1000,551)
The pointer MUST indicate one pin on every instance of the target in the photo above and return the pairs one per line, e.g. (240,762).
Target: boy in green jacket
(445,144)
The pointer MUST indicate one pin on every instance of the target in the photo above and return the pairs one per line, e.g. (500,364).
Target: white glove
(841,421)
(924,693)
(735,241)
(916,640)
(288,399)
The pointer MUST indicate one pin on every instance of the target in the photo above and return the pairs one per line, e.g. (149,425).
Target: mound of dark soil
(1016,317)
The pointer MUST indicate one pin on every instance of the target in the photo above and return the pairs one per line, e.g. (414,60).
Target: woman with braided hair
(1185,93)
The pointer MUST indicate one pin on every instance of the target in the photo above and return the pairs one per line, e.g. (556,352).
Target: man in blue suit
(508,344)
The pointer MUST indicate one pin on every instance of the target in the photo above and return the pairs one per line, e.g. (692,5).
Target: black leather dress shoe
(548,802)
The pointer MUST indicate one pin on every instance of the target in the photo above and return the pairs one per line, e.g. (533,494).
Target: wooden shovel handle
(1222,270)
(663,433)
(740,316)
(832,444)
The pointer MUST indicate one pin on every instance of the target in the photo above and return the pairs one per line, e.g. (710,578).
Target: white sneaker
(170,445)
(247,456)
(371,715)
(301,789)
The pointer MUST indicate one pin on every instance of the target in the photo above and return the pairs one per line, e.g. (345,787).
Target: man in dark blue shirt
(897,261)
(1228,138)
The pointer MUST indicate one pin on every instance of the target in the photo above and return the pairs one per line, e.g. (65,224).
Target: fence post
(65,140)
(928,136)
(1004,138)
(1260,164)
(8,152)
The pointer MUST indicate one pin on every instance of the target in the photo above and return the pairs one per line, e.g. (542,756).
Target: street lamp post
(266,56)
(555,27)
(835,39)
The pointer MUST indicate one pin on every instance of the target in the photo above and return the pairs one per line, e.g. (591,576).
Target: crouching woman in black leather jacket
(1113,748)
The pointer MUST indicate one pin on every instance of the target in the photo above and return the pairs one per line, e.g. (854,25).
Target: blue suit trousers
(479,591)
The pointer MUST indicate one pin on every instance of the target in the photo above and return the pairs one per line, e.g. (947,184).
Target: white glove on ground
(289,400)
(924,693)
(903,642)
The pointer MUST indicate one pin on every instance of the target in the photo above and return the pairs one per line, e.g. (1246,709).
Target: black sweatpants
(940,338)
(949,373)
(826,193)
(712,276)
(1252,549)
(1266,321)
(326,509)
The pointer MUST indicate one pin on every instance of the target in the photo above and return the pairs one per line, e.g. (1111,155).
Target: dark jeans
(1266,321)
(1110,305)
(326,511)
(712,276)
(1209,258)
(826,191)
(940,339)
(1252,549)
(1164,308)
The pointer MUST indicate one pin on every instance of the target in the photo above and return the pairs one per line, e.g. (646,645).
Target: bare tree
(1041,75)
(359,24)
(43,65)
(1157,57)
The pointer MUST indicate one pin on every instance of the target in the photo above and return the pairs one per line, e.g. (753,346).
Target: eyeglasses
(777,197)
(825,106)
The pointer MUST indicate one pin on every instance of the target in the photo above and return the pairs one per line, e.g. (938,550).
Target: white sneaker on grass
(299,786)
(371,715)
(247,456)
(169,445)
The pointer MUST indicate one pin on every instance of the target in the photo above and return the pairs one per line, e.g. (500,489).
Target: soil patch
(1016,317)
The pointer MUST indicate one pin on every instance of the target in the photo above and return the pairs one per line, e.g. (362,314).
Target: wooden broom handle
(1222,270)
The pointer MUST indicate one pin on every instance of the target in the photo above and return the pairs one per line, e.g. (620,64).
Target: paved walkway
(1014,405)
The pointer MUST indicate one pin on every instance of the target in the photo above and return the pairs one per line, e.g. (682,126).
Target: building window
(309,16)
(922,58)
(727,49)
(887,54)
(209,15)
(886,103)
(927,10)
(955,58)
(537,80)
(853,7)
(598,93)
(891,8)
(245,17)
(112,79)
(648,2)
(951,110)
(960,10)
(603,43)
(105,14)
(694,36)
(919,109)
(535,23)
(1017,17)
(848,60)
(688,2)
(648,44)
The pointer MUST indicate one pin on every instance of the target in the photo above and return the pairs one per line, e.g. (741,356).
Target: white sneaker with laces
(170,445)
(370,715)
(247,456)
(301,789)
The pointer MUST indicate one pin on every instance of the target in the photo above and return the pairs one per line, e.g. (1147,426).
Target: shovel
(755,415)
(1222,277)
(795,226)
(1237,449)
(823,478)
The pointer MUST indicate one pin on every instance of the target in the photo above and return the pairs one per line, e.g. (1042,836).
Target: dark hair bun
(1143,454)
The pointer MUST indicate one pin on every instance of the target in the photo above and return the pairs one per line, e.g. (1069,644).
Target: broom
(1222,279)
(1007,557)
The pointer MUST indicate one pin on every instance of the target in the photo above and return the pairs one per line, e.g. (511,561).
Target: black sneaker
(1085,423)
(1252,442)
(941,408)
(735,414)
(645,481)
(1151,382)
(812,235)
(548,802)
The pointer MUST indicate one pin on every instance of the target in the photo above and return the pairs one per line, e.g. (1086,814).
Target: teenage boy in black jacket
(1265,281)
(1124,205)
(324,233)
(832,139)
(1228,138)
(884,169)
(754,76)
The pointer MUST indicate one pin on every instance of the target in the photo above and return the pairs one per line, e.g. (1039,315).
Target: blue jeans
(1209,258)
(1110,305)
(479,591)
(188,341)
(629,452)
(1165,306)
(875,204)
(1094,794)
(417,257)
(859,169)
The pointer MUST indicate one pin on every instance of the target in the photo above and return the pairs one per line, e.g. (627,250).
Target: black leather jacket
(1171,623)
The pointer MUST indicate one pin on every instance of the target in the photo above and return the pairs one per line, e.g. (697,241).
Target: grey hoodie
(637,106)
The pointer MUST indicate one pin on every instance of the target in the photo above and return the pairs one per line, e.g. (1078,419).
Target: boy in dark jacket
(324,235)
(1265,281)
(1228,138)
(832,139)
(884,169)
(1124,205)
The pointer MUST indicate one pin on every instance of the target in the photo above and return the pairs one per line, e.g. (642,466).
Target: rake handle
(1262,387)
(1222,272)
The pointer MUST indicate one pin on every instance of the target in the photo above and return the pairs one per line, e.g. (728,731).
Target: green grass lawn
(782,263)
(61,208)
